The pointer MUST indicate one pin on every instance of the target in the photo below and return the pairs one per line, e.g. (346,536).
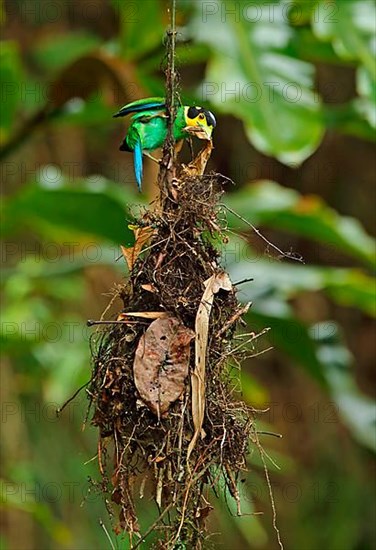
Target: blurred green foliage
(258,63)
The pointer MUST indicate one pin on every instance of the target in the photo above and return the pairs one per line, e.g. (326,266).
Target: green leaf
(85,211)
(366,85)
(69,261)
(352,118)
(141,26)
(267,203)
(292,337)
(357,410)
(352,31)
(283,281)
(351,28)
(10,84)
(90,112)
(247,524)
(252,76)
(55,52)
(351,288)
(306,45)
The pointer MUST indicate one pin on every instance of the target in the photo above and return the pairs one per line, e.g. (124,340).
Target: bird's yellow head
(200,119)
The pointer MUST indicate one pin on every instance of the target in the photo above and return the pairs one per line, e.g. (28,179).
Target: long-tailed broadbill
(148,129)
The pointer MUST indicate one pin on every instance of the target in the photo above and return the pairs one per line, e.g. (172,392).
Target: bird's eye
(201,116)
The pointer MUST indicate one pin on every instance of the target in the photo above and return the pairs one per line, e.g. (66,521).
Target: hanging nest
(163,387)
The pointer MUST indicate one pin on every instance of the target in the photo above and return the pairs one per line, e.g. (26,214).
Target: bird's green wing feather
(146,104)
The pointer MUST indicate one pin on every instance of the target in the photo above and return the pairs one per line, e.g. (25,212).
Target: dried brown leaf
(142,315)
(196,131)
(159,459)
(198,165)
(203,513)
(142,235)
(149,288)
(161,363)
(212,286)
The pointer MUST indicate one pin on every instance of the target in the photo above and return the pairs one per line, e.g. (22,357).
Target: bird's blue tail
(137,159)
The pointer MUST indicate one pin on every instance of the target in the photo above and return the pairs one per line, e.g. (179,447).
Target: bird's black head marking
(194,112)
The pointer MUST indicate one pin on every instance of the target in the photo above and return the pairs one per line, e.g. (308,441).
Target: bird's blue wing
(137,159)
(146,104)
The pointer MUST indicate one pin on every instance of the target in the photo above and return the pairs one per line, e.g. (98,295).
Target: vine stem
(166,172)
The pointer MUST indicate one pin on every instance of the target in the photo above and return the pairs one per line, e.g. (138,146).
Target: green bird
(148,129)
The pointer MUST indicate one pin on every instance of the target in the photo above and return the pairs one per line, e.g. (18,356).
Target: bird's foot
(151,157)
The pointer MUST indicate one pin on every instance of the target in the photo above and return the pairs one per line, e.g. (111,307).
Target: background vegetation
(293,87)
